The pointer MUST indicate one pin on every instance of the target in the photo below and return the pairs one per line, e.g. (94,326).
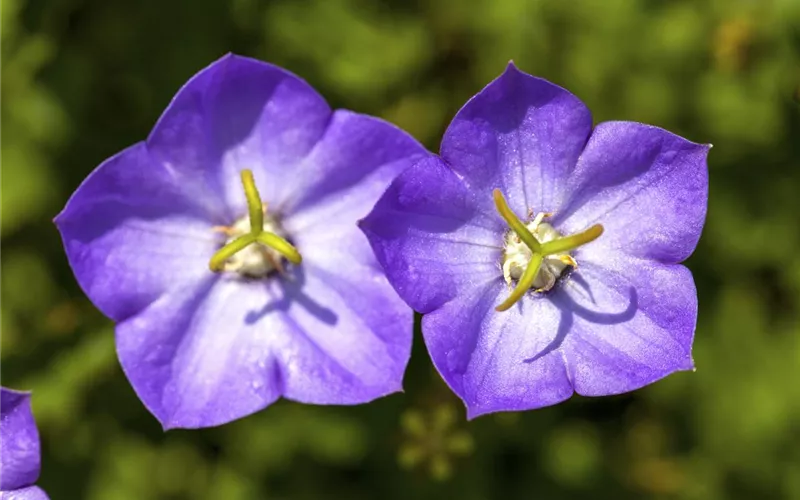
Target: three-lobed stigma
(535,253)
(253,249)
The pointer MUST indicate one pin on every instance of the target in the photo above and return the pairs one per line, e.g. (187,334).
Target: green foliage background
(82,79)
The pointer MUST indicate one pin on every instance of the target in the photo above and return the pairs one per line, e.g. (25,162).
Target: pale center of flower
(254,261)
(517,255)
(536,255)
(256,242)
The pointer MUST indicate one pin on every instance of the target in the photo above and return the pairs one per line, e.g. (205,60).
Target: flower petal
(648,187)
(351,336)
(19,441)
(131,234)
(235,114)
(499,361)
(430,237)
(207,355)
(633,323)
(521,134)
(347,171)
(374,325)
(194,358)
(29,493)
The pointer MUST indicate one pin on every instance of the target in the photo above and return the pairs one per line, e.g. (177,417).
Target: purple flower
(19,448)
(573,284)
(192,242)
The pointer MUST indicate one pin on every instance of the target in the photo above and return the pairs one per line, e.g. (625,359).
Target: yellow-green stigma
(536,255)
(253,248)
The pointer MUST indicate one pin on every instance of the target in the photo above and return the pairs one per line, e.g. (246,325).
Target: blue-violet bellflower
(544,252)
(225,248)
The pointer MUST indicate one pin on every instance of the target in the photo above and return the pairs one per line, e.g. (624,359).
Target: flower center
(536,255)
(253,261)
(255,245)
(517,255)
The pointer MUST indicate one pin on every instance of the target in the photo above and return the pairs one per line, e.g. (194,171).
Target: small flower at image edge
(19,448)
(545,253)
(225,248)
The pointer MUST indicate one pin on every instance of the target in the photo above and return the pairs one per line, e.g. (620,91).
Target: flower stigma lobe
(255,247)
(536,254)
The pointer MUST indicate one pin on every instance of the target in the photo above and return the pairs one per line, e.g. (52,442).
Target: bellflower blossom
(545,252)
(225,247)
(19,448)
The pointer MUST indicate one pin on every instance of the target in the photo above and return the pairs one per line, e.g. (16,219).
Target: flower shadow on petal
(602,318)
(569,308)
(292,289)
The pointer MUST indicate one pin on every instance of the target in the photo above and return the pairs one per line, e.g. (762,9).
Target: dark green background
(82,79)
